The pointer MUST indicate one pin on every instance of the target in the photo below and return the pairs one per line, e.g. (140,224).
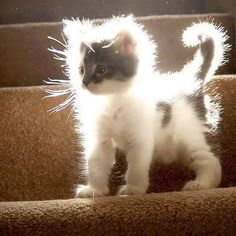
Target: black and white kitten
(122,101)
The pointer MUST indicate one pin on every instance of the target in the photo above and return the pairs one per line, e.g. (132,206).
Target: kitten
(121,100)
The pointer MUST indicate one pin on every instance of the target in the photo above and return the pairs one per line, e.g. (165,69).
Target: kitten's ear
(125,42)
(69,27)
(73,28)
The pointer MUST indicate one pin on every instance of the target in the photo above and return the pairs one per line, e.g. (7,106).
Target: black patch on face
(119,66)
(166,108)
(197,101)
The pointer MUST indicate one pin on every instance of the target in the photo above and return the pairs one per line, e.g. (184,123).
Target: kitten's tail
(212,47)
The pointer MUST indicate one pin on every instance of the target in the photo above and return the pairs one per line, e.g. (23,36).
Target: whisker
(56,93)
(71,110)
(64,40)
(52,49)
(59,108)
(56,40)
(65,73)
(109,45)
(89,46)
(53,83)
(50,91)
(58,55)
(59,58)
(60,92)
(61,81)
(64,104)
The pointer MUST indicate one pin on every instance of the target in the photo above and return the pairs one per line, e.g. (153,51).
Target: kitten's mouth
(89,88)
(83,86)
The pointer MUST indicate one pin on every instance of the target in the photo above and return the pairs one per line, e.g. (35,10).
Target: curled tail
(212,47)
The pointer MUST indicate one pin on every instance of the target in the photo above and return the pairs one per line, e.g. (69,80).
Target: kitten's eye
(100,70)
(81,70)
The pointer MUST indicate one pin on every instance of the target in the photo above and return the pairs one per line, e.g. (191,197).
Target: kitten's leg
(189,131)
(139,158)
(207,168)
(100,162)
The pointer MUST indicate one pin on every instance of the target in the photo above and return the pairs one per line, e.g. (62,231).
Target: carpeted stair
(40,161)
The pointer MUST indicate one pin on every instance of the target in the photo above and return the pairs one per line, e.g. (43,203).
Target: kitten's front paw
(194,185)
(130,190)
(86,191)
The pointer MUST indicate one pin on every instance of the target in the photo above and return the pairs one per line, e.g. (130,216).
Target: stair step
(39,152)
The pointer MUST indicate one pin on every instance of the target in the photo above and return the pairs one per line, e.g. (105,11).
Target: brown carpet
(40,158)
(210,212)
(39,162)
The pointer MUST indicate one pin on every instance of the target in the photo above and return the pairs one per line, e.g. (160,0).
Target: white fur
(127,117)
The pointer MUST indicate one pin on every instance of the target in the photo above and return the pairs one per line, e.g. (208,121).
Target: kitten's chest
(121,117)
(113,122)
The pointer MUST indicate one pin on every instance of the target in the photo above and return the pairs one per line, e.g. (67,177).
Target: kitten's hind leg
(207,168)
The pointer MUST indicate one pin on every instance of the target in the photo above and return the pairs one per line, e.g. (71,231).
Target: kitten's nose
(86,82)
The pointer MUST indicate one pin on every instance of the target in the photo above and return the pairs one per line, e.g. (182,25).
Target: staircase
(39,152)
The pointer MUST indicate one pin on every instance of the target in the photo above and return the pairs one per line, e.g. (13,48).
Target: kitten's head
(105,57)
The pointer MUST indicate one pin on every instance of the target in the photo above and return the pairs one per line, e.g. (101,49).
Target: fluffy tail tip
(202,32)
(199,32)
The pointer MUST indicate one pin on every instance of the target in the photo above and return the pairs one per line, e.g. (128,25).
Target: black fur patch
(119,66)
(166,108)
(197,100)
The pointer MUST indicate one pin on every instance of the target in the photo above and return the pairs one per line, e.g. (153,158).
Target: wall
(19,11)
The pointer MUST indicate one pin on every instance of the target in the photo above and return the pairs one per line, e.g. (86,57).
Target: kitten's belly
(165,149)
(166,146)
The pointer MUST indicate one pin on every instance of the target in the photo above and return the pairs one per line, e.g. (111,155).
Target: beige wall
(228,6)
